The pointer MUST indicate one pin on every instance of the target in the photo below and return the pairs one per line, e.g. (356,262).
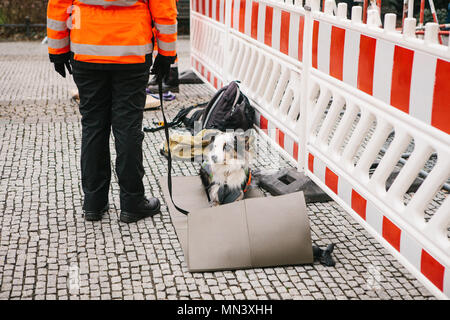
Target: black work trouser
(111,99)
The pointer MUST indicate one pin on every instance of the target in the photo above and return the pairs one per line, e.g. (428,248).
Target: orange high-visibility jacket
(111,31)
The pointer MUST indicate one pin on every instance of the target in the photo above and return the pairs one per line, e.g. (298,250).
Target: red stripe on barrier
(359,204)
(337,52)
(218,10)
(254,24)
(284,32)
(208,77)
(331,180)
(215,83)
(203,7)
(210,8)
(391,233)
(263,123)
(366,63)
(300,37)
(311,162)
(315,42)
(295,151)
(440,114)
(401,78)
(432,269)
(242,17)
(268,26)
(280,138)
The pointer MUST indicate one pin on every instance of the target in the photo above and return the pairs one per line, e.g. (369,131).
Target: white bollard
(390,20)
(329,7)
(342,10)
(315,5)
(373,18)
(356,14)
(409,28)
(431,33)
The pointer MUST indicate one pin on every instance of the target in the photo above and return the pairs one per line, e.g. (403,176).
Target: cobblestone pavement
(48,250)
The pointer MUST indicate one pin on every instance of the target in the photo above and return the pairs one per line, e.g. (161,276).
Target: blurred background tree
(397,6)
(22,12)
(14,11)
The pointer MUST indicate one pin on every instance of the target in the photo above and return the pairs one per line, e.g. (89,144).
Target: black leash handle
(169,155)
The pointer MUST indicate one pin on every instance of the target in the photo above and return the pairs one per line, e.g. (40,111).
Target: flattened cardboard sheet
(255,232)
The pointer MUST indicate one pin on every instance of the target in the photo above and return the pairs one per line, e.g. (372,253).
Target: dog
(226,173)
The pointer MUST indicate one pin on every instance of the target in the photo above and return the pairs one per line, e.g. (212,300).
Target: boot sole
(95,216)
(129,217)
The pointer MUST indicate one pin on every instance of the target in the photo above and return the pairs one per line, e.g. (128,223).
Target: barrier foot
(286,181)
(189,77)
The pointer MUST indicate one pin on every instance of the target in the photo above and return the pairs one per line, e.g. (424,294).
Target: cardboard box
(255,232)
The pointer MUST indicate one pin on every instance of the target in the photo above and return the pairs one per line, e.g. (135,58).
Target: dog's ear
(236,142)
(248,140)
(240,141)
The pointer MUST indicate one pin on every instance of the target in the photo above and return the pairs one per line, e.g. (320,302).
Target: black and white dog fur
(226,173)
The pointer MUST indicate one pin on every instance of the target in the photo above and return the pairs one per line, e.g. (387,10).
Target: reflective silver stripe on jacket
(166,29)
(56,25)
(167,46)
(58,43)
(119,3)
(111,51)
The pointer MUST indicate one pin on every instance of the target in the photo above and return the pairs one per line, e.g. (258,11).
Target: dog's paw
(214,203)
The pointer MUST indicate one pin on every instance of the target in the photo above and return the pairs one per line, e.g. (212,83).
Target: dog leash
(169,155)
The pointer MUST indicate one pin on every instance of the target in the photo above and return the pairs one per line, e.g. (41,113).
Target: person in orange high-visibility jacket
(109,45)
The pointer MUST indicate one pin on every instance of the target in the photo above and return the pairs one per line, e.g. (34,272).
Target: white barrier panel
(269,38)
(337,95)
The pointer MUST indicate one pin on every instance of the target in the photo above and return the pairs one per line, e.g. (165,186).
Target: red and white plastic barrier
(383,227)
(413,81)
(331,92)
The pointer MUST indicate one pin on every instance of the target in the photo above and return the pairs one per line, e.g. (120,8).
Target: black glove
(161,66)
(60,67)
(61,62)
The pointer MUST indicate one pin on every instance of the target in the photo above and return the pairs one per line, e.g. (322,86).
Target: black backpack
(228,109)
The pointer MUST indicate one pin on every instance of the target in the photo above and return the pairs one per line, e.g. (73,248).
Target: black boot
(95,215)
(172,82)
(153,80)
(169,83)
(147,208)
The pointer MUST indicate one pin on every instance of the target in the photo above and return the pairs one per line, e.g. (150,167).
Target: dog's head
(231,148)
